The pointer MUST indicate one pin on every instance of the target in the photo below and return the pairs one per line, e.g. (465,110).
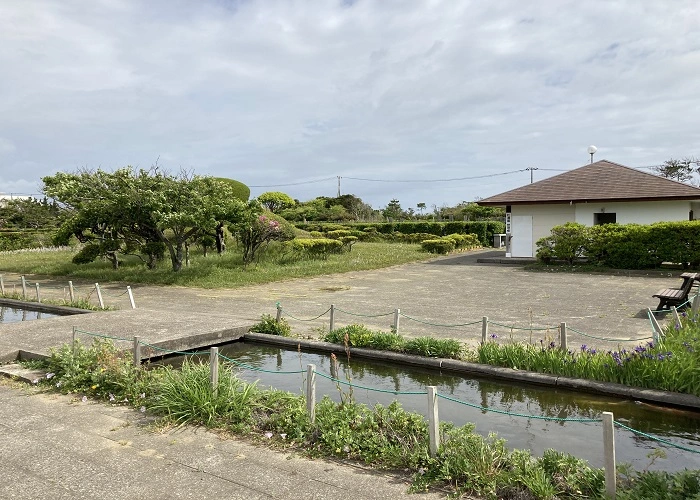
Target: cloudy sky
(433,101)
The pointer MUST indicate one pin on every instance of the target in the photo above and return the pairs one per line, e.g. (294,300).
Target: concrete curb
(39,306)
(665,398)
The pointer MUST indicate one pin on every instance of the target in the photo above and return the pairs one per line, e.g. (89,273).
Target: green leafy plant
(271,326)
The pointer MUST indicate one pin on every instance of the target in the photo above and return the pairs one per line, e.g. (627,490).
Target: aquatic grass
(361,336)
(673,364)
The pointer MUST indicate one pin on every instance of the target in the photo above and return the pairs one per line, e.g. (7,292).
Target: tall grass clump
(185,396)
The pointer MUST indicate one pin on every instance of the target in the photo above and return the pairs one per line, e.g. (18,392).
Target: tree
(679,170)
(275,201)
(420,207)
(393,210)
(129,209)
(256,229)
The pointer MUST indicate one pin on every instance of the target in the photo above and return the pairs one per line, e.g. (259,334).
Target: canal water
(13,314)
(583,440)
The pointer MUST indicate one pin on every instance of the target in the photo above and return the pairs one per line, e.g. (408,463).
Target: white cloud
(277,92)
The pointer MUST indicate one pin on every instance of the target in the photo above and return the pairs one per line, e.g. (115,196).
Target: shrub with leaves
(271,326)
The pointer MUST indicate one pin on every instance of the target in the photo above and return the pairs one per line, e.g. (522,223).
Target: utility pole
(338,186)
(531,169)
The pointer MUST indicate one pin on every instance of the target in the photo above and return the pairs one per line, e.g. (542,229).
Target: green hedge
(17,240)
(316,247)
(624,246)
(484,230)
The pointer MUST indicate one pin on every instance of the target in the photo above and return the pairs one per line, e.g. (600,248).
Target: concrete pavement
(57,447)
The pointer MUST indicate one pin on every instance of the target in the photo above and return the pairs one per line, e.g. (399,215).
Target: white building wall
(546,216)
(639,212)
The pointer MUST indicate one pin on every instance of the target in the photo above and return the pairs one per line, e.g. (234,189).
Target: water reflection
(581,439)
(12,314)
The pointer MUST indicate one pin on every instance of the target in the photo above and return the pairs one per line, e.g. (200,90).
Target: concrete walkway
(57,447)
(451,290)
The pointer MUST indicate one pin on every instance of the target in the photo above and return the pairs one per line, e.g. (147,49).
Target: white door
(521,229)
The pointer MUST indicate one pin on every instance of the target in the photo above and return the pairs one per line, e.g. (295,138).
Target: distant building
(600,193)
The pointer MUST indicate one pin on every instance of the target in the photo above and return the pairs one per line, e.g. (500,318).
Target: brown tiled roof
(599,181)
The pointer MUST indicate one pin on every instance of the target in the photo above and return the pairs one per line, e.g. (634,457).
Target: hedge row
(446,244)
(17,240)
(624,246)
(483,229)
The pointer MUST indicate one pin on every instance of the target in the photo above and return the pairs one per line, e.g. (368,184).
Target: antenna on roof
(591,151)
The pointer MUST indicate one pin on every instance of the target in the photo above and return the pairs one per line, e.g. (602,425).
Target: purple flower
(111,397)
(494,336)
(142,409)
(84,400)
(583,347)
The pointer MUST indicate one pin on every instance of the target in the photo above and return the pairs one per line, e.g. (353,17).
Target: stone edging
(38,306)
(576,384)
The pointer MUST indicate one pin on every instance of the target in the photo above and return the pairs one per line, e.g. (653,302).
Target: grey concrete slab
(70,449)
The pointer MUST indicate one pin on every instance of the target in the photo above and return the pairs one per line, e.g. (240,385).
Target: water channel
(12,314)
(583,440)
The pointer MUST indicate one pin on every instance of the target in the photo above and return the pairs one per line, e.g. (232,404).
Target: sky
(424,101)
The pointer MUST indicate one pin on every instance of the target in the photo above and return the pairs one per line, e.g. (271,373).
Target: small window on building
(604,218)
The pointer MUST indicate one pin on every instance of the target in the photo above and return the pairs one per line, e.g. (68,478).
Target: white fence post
(214,370)
(332,321)
(131,297)
(484,329)
(696,305)
(433,420)
(562,337)
(24,288)
(71,292)
(654,325)
(676,316)
(2,284)
(279,313)
(609,453)
(311,392)
(38,295)
(73,343)
(99,296)
(397,313)
(137,352)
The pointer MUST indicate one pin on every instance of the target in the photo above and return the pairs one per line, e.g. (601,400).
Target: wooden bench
(676,296)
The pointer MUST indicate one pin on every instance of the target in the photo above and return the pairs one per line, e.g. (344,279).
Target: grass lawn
(215,271)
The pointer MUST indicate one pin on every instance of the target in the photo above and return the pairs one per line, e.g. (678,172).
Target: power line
(294,183)
(436,180)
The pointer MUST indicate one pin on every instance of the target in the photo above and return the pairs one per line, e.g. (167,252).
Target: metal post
(99,296)
(609,453)
(71,292)
(279,313)
(311,392)
(131,297)
(484,329)
(433,420)
(214,370)
(38,295)
(137,352)
(24,288)
(562,337)
(397,313)
(332,322)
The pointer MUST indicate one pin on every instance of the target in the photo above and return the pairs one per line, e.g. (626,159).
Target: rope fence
(562,330)
(607,418)
(69,293)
